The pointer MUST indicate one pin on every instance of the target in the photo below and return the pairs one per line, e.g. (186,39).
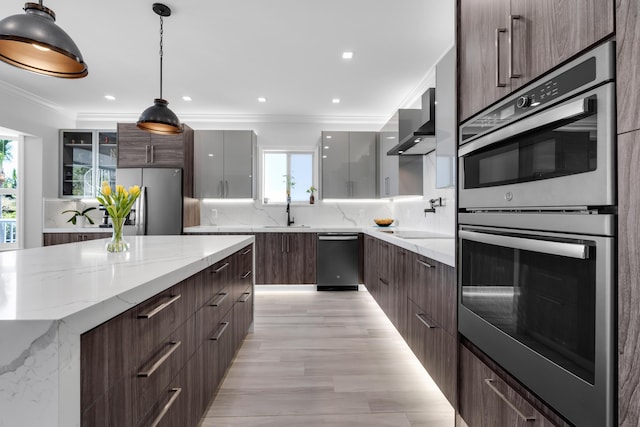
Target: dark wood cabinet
(627,60)
(504,44)
(433,288)
(141,149)
(286,258)
(487,399)
(177,348)
(61,238)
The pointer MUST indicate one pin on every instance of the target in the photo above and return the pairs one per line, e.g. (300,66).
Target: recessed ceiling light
(391,137)
(326,147)
(210,154)
(328,137)
(347,55)
(110,97)
(324,157)
(262,99)
(186,98)
(336,100)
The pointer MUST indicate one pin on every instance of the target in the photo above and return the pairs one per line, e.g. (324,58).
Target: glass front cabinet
(88,157)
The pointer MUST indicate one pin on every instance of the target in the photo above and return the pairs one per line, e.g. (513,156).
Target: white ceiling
(226,53)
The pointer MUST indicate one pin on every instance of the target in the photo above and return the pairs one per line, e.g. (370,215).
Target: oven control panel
(526,101)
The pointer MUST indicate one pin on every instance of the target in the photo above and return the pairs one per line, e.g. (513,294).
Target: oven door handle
(580,107)
(571,250)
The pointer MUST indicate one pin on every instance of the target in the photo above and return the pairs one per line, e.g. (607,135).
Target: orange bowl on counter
(383,222)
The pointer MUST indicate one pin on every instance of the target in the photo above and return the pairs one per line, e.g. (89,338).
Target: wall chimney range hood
(417,128)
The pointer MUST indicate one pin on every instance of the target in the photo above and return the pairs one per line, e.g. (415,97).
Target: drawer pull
(159,362)
(176,392)
(221,297)
(248,251)
(224,327)
(424,264)
(158,309)
(245,275)
(219,269)
(246,296)
(489,382)
(422,320)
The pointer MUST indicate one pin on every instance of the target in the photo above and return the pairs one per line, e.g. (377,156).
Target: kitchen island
(50,296)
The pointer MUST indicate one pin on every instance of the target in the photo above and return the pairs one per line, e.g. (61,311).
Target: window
(277,166)
(8,193)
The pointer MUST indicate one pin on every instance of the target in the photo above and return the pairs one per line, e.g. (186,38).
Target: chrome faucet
(433,203)
(290,219)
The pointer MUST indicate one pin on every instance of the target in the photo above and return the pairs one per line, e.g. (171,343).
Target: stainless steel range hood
(417,128)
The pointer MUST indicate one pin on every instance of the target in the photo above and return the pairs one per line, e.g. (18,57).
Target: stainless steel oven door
(540,304)
(563,157)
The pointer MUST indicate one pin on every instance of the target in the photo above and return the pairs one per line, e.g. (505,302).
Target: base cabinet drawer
(486,400)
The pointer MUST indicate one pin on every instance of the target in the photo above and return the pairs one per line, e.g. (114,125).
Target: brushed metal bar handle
(282,244)
(245,275)
(221,297)
(424,264)
(498,31)
(226,188)
(146,154)
(224,327)
(158,309)
(248,251)
(246,298)
(221,189)
(512,18)
(422,320)
(287,243)
(159,362)
(153,154)
(176,392)
(570,250)
(488,382)
(219,269)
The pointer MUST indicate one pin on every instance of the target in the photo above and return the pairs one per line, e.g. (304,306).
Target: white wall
(29,116)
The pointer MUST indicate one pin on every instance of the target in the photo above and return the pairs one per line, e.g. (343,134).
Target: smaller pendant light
(34,42)
(159,118)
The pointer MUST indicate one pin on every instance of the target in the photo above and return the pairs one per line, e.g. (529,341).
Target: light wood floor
(325,359)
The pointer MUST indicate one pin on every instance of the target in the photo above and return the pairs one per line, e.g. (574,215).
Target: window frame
(288,151)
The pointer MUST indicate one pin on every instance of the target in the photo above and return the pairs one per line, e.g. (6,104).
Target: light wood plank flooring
(325,359)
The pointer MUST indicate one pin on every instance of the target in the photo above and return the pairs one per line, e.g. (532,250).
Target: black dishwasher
(337,267)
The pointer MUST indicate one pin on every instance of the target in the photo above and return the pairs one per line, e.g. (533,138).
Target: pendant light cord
(161,52)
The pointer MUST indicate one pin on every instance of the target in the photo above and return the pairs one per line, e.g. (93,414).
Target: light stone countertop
(49,296)
(90,229)
(440,248)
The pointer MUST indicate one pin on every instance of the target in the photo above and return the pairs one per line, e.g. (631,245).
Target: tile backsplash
(54,218)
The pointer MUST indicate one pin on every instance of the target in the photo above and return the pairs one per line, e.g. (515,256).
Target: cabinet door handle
(245,275)
(224,326)
(152,154)
(498,31)
(219,269)
(221,297)
(146,154)
(246,296)
(287,243)
(282,243)
(220,189)
(512,18)
(422,320)
(489,383)
(226,188)
(158,309)
(173,347)
(176,392)
(248,251)
(424,264)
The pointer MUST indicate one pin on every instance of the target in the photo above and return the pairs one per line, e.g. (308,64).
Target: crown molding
(30,96)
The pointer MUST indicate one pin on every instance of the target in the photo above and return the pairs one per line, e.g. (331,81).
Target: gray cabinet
(224,163)
(446,120)
(399,175)
(349,165)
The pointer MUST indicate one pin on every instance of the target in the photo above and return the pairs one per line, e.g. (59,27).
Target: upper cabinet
(349,162)
(400,175)
(141,149)
(504,44)
(446,124)
(88,157)
(225,163)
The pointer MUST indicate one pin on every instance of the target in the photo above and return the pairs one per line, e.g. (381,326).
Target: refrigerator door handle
(141,220)
(226,188)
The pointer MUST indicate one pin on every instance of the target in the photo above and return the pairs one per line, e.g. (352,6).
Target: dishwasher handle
(338,237)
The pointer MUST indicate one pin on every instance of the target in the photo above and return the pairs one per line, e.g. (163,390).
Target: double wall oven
(537,200)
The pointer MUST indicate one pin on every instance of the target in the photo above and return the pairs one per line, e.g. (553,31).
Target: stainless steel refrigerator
(158,210)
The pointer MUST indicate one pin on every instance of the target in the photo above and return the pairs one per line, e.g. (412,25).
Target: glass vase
(117,243)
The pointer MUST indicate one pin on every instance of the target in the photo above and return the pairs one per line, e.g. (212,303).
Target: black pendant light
(34,42)
(159,118)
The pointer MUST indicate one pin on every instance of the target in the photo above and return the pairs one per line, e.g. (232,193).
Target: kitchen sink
(284,226)
(416,234)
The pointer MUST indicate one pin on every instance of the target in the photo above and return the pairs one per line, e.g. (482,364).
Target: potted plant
(312,190)
(80,216)
(290,182)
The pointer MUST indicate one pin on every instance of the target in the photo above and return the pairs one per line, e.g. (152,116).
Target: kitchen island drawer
(213,279)
(211,314)
(157,370)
